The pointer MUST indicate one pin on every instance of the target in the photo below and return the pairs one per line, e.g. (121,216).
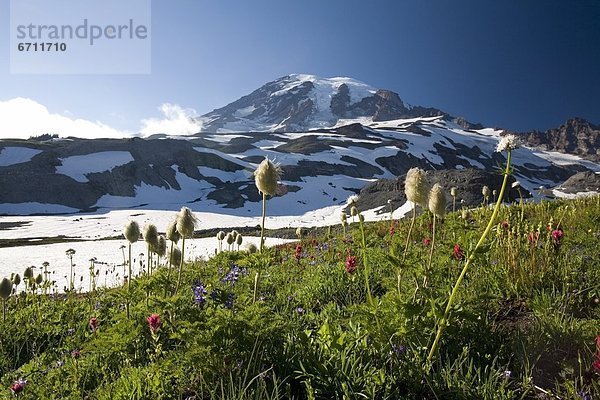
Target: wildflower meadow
(501,301)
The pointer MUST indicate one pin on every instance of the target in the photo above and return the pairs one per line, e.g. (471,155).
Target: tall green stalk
(129,283)
(412,224)
(521,203)
(444,319)
(262,226)
(170,262)
(181,263)
(430,250)
(365,260)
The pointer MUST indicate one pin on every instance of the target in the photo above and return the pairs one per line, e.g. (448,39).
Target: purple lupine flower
(229,302)
(199,293)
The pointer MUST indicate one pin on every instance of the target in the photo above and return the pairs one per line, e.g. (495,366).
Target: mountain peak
(299,102)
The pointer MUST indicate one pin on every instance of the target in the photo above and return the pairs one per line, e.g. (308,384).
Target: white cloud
(22,118)
(177,121)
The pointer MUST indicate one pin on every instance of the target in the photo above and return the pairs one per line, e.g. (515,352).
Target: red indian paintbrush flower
(350,265)
(154,323)
(18,386)
(458,252)
(596,363)
(557,235)
(298,253)
(93,324)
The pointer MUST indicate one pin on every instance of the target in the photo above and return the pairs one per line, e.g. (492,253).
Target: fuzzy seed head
(352,200)
(416,186)
(28,273)
(266,176)
(229,239)
(299,232)
(151,236)
(161,248)
(175,257)
(39,279)
(437,201)
(172,233)
(251,248)
(5,288)
(485,191)
(343,217)
(453,191)
(354,211)
(131,231)
(220,235)
(238,240)
(186,222)
(17,280)
(361,218)
(516,185)
(465,214)
(508,142)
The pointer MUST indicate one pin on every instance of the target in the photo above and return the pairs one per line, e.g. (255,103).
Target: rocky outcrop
(586,181)
(468,182)
(576,136)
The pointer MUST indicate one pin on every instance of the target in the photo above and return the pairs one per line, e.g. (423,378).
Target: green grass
(525,319)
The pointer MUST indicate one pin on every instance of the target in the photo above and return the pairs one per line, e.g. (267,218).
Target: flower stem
(129,283)
(412,224)
(262,226)
(256,277)
(430,251)
(443,321)
(181,263)
(365,262)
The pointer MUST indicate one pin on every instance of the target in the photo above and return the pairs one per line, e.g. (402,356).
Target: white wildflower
(508,142)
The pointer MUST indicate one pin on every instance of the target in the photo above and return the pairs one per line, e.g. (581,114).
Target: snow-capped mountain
(332,137)
(301,102)
(213,172)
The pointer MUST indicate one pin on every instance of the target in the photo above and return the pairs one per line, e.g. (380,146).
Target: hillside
(296,321)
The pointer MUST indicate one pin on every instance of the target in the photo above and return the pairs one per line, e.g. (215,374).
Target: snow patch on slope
(35,208)
(149,196)
(16,155)
(78,166)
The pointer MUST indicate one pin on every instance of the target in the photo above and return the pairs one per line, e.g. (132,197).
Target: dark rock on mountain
(586,181)
(576,136)
(462,122)
(468,182)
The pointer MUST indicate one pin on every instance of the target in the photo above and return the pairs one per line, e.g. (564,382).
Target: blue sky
(513,64)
